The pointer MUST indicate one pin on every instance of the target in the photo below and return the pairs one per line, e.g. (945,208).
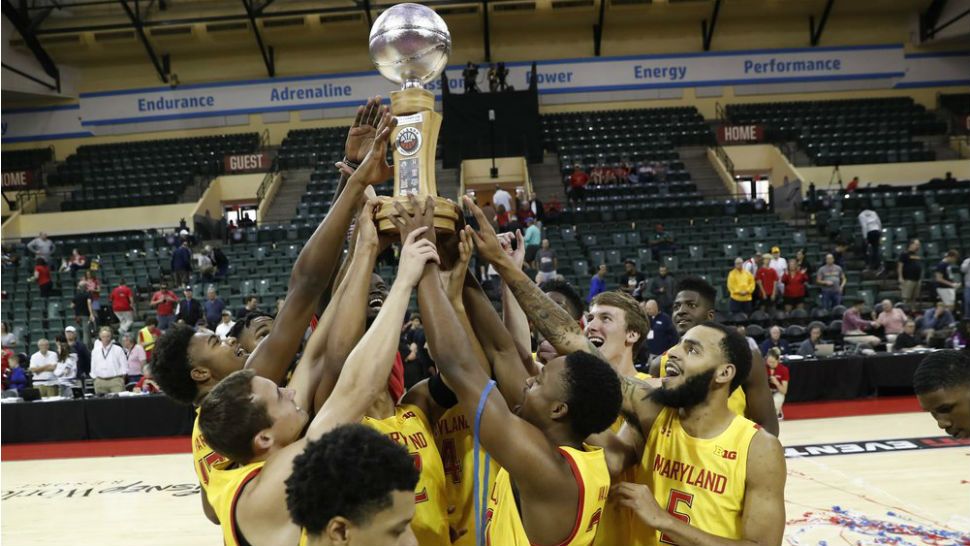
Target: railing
(28,197)
(265,184)
(725,158)
(264,139)
(720,113)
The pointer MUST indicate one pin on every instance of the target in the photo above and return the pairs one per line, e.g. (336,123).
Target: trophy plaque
(410,44)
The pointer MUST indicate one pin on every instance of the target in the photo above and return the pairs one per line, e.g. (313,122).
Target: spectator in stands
(503,218)
(774,341)
(892,320)
(752,264)
(81,350)
(42,247)
(42,276)
(908,339)
(182,263)
(854,326)
(631,278)
(622,171)
(7,338)
(807,348)
(123,305)
(42,366)
(225,325)
(662,288)
(77,262)
(832,279)
(136,357)
(547,263)
(148,335)
(66,369)
(14,376)
(740,286)
(597,284)
(232,234)
(961,337)
(938,323)
(147,383)
(109,364)
(839,253)
(577,185)
(537,208)
(524,212)
(662,335)
(92,285)
(965,269)
(803,264)
(909,271)
(779,264)
(204,265)
(533,239)
(871,233)
(645,174)
(794,280)
(189,310)
(778,377)
(853,185)
(743,330)
(164,302)
(213,307)
(946,288)
(502,198)
(766,280)
(220,261)
(596,175)
(251,306)
(661,243)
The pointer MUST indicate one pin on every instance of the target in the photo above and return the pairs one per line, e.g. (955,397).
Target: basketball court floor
(883,479)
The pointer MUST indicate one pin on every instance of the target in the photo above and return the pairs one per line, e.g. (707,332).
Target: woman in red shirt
(794,280)
(93,286)
(766,280)
(42,274)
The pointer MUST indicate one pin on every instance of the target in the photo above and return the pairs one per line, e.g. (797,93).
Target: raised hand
(374,168)
(486,240)
(421,214)
(366,229)
(361,135)
(454,279)
(415,254)
(518,254)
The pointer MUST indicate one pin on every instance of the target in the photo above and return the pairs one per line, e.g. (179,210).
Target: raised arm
(317,261)
(514,317)
(759,406)
(555,324)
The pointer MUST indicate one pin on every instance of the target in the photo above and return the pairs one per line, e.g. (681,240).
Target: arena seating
(304,148)
(26,160)
(846,131)
(152,172)
(957,103)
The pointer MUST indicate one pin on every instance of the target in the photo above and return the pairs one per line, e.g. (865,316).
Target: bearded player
(942,385)
(706,475)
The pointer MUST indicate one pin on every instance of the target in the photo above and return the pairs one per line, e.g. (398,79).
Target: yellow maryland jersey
(503,524)
(206,460)
(700,481)
(616,524)
(225,487)
(409,427)
(303,538)
(453,436)
(737,402)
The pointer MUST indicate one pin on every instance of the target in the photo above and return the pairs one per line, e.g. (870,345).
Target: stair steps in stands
(287,198)
(702,173)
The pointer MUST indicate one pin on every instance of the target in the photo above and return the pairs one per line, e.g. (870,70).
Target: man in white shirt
(108,364)
(871,232)
(780,265)
(504,198)
(42,247)
(42,365)
(225,326)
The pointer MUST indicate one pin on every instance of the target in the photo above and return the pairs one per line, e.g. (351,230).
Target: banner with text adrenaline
(566,76)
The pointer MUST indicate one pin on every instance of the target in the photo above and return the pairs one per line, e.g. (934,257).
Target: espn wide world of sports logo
(874,446)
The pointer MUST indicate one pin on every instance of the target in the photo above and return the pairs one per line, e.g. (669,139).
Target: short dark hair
(942,370)
(229,418)
(171,366)
(592,393)
(735,349)
(151,321)
(636,320)
(244,322)
(350,471)
(569,292)
(696,284)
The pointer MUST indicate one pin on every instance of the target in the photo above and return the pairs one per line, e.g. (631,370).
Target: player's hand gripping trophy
(410,44)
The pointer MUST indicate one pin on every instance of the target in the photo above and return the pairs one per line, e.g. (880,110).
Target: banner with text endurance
(580,77)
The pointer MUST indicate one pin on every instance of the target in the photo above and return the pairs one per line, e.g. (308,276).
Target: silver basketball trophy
(410,44)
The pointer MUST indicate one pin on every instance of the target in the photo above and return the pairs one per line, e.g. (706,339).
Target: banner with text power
(247,163)
(740,134)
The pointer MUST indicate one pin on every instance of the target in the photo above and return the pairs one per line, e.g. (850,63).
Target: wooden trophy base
(445,214)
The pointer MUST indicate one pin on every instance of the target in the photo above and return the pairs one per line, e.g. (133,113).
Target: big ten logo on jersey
(725,453)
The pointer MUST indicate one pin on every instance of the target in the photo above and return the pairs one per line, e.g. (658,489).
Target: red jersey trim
(582,494)
(235,497)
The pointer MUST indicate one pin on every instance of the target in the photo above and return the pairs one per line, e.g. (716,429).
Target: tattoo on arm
(555,324)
